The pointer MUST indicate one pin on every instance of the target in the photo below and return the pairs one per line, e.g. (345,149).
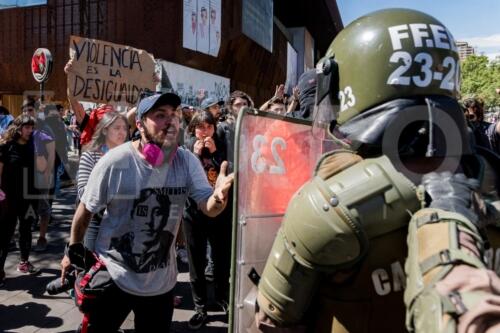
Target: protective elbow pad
(286,287)
(327,227)
(433,251)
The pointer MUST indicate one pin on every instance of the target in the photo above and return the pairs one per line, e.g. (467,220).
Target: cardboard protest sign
(105,72)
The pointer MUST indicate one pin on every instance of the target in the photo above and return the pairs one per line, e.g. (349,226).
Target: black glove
(452,193)
(79,256)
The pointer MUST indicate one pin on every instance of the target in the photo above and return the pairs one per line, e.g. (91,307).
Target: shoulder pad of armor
(334,162)
(330,221)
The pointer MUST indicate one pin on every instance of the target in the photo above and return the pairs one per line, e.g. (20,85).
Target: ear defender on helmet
(327,72)
(327,91)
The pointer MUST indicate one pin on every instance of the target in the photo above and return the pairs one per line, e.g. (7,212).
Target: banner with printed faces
(202,26)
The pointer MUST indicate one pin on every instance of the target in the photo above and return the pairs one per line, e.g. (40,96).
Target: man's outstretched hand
(223,184)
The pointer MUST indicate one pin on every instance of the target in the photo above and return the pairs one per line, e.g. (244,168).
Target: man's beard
(162,143)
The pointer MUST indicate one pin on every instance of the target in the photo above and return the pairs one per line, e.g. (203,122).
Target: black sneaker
(198,320)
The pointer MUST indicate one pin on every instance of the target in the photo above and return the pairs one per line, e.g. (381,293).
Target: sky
(14,3)
(473,21)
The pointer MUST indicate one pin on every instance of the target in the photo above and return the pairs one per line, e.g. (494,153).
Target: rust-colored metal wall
(153,25)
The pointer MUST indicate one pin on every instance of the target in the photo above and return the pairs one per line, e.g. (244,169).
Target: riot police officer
(406,174)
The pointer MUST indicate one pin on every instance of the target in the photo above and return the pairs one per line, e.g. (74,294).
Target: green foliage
(481,78)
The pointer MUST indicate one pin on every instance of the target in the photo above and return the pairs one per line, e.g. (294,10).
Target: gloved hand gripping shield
(445,248)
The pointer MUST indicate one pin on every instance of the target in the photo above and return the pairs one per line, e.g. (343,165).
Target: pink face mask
(153,154)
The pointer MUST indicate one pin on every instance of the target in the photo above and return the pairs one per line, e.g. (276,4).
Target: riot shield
(274,157)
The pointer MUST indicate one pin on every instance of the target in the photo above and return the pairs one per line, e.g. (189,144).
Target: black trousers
(198,228)
(12,210)
(151,313)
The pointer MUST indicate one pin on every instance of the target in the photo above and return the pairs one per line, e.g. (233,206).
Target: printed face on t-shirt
(146,247)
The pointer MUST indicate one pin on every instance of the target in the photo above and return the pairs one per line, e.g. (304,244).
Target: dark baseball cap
(210,101)
(151,102)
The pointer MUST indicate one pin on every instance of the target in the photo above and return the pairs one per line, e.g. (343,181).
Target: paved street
(25,307)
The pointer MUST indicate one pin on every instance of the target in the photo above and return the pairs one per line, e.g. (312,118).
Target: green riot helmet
(385,55)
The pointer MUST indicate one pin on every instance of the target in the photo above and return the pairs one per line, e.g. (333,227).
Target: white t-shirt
(144,206)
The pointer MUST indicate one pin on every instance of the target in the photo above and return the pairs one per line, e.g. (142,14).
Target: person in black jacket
(199,228)
(486,134)
(17,164)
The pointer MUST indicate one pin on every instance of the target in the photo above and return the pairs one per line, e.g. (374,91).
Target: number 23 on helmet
(386,55)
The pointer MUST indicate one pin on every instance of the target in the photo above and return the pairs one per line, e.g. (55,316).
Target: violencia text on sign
(105,72)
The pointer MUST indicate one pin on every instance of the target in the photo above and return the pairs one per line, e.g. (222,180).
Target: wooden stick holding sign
(104,72)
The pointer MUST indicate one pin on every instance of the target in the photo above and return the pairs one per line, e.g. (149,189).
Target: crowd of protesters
(34,151)
(33,159)
(37,143)
(134,169)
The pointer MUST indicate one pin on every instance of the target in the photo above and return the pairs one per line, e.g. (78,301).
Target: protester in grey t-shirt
(143,196)
(143,211)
